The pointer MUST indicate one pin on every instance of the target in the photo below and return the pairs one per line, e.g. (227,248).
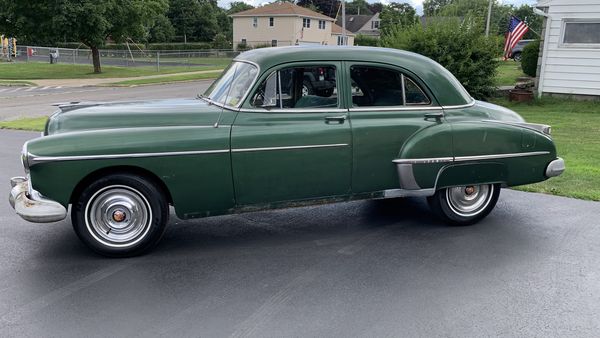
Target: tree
(358,7)
(90,22)
(397,15)
(376,7)
(458,45)
(326,7)
(161,30)
(238,6)
(432,7)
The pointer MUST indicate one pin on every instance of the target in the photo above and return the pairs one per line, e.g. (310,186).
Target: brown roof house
(286,24)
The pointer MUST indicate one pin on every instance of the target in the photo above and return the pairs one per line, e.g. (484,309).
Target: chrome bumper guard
(555,168)
(31,206)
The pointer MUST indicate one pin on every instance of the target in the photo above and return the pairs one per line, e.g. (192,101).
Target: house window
(273,43)
(321,24)
(271,22)
(244,42)
(581,32)
(341,41)
(254,22)
(306,23)
(374,24)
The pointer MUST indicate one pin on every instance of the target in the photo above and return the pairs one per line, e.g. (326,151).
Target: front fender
(192,162)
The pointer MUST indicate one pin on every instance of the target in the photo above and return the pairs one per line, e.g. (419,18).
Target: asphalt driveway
(366,268)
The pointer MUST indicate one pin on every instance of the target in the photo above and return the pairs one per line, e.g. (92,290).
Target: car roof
(444,86)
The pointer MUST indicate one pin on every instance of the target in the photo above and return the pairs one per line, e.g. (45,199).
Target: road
(18,102)
(363,268)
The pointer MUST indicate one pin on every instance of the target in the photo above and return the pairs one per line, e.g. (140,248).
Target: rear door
(294,140)
(388,106)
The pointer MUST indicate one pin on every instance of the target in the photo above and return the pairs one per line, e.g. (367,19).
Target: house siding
(567,69)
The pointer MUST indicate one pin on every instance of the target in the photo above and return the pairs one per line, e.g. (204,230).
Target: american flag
(516,30)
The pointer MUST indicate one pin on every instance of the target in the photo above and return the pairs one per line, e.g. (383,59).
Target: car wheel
(517,57)
(120,215)
(307,88)
(465,205)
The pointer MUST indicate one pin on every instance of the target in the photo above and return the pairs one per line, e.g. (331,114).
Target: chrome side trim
(242,150)
(466,158)
(404,108)
(392,193)
(497,156)
(424,160)
(294,110)
(34,159)
(412,108)
(460,106)
(407,177)
(545,129)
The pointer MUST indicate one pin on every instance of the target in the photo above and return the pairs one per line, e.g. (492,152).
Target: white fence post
(158,61)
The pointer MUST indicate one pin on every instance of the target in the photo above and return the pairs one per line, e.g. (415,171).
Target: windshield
(233,84)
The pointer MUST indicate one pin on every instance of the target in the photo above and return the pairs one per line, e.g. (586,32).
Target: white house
(285,24)
(569,61)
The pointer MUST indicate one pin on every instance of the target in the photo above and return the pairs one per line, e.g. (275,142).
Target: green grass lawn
(576,132)
(575,129)
(508,72)
(169,79)
(39,70)
(30,123)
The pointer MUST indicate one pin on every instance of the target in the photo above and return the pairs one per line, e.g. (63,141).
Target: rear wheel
(517,57)
(465,205)
(120,215)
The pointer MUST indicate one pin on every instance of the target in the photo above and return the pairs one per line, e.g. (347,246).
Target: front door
(293,140)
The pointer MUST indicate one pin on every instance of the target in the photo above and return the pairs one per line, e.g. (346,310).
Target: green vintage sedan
(281,127)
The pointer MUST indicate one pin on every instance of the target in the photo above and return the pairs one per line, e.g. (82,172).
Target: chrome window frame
(282,110)
(245,96)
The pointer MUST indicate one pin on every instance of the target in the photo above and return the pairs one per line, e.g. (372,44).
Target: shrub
(364,40)
(529,58)
(459,46)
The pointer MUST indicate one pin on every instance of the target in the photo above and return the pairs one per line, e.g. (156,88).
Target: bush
(529,58)
(459,46)
(364,40)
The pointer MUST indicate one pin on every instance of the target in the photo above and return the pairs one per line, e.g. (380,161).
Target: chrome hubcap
(304,90)
(470,200)
(118,216)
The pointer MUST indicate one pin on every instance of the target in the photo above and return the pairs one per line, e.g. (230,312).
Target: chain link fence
(128,58)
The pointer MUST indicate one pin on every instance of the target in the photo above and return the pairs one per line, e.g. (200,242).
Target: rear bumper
(32,206)
(555,168)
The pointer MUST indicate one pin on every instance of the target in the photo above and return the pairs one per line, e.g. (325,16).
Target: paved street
(37,101)
(365,268)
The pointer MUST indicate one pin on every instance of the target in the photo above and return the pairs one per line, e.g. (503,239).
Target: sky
(418,4)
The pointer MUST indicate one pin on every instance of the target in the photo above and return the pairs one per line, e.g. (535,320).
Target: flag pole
(489,16)
(344,23)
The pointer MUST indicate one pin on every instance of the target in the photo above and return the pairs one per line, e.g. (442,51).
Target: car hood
(80,116)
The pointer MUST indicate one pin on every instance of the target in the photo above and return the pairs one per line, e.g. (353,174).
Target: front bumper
(555,168)
(32,206)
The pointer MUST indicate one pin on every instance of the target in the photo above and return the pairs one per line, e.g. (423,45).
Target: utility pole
(489,16)
(344,38)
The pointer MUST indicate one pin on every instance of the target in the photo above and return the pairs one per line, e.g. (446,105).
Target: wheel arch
(122,169)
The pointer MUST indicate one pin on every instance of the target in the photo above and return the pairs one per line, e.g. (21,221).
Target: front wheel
(465,205)
(120,215)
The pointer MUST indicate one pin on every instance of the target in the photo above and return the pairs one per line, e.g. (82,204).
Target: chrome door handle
(339,119)
(437,116)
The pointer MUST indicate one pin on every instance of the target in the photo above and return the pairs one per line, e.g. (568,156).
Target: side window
(377,86)
(298,87)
